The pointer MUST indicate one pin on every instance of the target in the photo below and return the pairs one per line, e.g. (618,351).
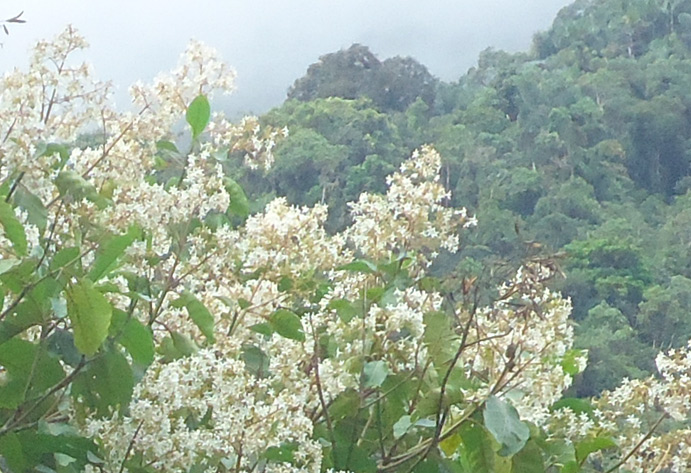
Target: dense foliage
(392,84)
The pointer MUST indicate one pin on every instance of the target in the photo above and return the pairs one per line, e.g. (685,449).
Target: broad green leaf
(557,451)
(61,343)
(38,446)
(176,346)
(164,145)
(450,444)
(430,284)
(68,259)
(528,460)
(571,467)
(349,456)
(106,383)
(439,338)
(256,361)
(283,454)
(263,328)
(502,421)
(577,405)
(198,115)
(24,361)
(359,266)
(287,324)
(375,373)
(71,184)
(591,445)
(7,264)
(90,314)
(199,314)
(26,315)
(345,405)
(14,230)
(345,309)
(570,361)
(50,149)
(285,284)
(37,214)
(476,453)
(19,276)
(11,451)
(134,336)
(109,251)
(239,204)
(400,428)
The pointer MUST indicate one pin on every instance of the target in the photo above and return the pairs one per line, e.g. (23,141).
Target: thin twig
(639,444)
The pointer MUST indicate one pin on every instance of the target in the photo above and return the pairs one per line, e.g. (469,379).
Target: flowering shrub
(143,329)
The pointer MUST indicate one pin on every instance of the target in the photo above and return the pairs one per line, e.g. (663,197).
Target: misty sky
(271,42)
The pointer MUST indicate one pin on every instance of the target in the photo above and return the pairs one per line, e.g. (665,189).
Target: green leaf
(285,284)
(37,214)
(26,315)
(570,361)
(11,451)
(176,346)
(134,336)
(26,364)
(41,447)
(283,454)
(400,428)
(105,383)
(375,373)
(591,445)
(450,444)
(571,467)
(198,115)
(528,460)
(50,149)
(72,184)
(239,204)
(359,266)
(577,405)
(345,309)
(61,343)
(199,314)
(439,338)
(345,405)
(90,314)
(256,361)
(287,324)
(476,454)
(109,251)
(67,258)
(164,145)
(557,451)
(14,230)
(502,421)
(7,264)
(264,329)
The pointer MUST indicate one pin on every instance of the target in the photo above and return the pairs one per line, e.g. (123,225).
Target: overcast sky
(272,42)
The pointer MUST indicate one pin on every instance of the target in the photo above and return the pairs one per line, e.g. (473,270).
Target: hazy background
(271,42)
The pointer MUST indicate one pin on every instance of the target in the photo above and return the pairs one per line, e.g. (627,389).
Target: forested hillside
(577,151)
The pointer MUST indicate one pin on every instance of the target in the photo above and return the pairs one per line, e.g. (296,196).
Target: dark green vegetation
(579,148)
